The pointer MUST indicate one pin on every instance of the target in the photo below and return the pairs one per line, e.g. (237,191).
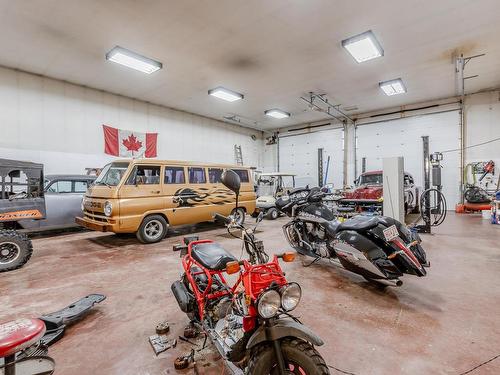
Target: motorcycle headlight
(269,304)
(108,208)
(290,296)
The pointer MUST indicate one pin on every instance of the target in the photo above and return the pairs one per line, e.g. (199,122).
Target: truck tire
(153,229)
(15,250)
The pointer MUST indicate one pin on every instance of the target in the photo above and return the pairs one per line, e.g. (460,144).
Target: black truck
(21,197)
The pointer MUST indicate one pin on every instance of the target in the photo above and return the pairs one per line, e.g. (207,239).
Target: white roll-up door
(299,154)
(403,137)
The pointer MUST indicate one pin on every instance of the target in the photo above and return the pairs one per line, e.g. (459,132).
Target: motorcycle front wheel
(300,359)
(292,236)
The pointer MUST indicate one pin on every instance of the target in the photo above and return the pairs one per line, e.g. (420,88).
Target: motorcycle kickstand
(310,263)
(204,343)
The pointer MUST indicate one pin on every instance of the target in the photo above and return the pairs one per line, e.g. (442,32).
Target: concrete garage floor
(446,323)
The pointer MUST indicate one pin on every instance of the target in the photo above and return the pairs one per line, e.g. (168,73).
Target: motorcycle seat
(212,256)
(359,223)
(19,334)
(332,227)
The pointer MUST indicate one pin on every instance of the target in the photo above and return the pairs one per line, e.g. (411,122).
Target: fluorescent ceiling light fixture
(225,94)
(277,113)
(393,87)
(133,60)
(363,47)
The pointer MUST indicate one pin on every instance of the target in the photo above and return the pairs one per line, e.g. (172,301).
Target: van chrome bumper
(100,227)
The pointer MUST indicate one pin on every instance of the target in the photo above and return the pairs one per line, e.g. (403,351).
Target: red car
(368,193)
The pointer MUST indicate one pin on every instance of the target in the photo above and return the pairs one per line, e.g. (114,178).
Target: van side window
(243,173)
(174,175)
(197,175)
(144,175)
(214,175)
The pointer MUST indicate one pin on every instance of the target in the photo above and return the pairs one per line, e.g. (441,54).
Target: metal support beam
(460,64)
(426,215)
(320,167)
(346,155)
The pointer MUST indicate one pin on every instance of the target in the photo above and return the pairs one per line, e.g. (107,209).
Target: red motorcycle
(250,322)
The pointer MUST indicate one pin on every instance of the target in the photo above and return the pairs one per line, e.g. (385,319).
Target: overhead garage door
(299,154)
(403,138)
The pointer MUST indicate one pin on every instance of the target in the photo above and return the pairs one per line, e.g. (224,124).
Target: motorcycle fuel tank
(319,210)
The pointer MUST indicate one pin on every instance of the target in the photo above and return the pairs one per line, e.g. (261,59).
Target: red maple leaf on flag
(131,143)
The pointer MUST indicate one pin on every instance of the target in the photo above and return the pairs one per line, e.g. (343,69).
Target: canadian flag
(127,143)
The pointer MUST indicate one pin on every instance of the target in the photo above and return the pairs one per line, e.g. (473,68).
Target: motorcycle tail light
(232,267)
(248,323)
(288,257)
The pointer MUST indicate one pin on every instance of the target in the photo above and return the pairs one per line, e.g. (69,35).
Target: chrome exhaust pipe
(395,282)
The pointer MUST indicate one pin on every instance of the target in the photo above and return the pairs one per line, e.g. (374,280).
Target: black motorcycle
(378,248)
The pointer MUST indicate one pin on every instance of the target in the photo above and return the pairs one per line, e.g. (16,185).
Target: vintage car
(368,193)
(63,202)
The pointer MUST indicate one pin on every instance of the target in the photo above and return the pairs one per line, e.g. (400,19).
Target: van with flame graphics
(145,197)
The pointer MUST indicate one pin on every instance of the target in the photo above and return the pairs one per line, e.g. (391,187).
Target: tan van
(146,196)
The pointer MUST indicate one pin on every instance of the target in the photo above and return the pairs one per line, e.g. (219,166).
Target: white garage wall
(403,137)
(299,155)
(483,124)
(60,125)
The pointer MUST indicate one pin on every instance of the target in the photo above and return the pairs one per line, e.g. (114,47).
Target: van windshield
(112,174)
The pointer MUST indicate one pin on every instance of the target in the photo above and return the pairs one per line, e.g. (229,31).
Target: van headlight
(269,304)
(290,296)
(108,208)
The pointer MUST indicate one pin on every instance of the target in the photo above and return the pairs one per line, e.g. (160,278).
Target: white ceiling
(272,51)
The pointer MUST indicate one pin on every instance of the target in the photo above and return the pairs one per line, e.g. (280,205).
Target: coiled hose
(435,200)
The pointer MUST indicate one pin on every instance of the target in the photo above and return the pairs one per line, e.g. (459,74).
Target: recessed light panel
(277,113)
(393,87)
(225,94)
(363,47)
(133,60)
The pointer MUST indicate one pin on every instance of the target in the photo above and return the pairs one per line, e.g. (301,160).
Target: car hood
(101,191)
(365,192)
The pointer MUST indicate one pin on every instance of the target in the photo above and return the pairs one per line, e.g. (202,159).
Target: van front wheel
(239,215)
(152,229)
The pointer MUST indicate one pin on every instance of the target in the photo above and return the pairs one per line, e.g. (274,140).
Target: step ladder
(238,156)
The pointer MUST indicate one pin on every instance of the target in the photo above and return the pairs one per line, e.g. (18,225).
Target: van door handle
(155,192)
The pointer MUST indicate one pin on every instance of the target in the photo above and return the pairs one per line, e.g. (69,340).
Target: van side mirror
(231,180)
